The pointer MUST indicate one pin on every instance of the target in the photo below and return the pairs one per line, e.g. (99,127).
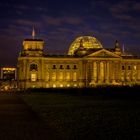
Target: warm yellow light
(88,42)
(54,85)
(61,85)
(8,68)
(68,85)
(75,85)
(135,67)
(33,77)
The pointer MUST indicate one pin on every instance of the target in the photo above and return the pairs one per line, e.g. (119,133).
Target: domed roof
(88,42)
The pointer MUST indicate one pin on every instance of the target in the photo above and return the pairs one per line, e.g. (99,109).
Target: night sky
(59,22)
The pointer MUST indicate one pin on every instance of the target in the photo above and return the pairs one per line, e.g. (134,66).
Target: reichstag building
(87,64)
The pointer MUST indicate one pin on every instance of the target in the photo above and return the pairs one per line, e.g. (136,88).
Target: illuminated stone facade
(87,64)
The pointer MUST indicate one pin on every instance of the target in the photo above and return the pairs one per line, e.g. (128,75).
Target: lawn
(88,114)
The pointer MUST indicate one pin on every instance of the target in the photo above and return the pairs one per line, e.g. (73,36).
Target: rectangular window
(68,66)
(61,76)
(54,76)
(67,76)
(129,67)
(61,66)
(47,76)
(54,67)
(33,77)
(74,67)
(74,76)
(123,68)
(135,67)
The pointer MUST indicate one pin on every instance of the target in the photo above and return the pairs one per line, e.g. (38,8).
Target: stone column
(107,72)
(113,72)
(101,75)
(95,72)
(98,71)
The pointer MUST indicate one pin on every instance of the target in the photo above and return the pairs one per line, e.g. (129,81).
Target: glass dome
(88,42)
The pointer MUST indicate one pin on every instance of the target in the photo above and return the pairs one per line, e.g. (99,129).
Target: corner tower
(33,46)
(30,63)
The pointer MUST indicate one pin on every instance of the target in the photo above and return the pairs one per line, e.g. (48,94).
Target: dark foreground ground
(19,122)
(94,114)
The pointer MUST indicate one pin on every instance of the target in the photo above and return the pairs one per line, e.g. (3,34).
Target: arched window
(129,67)
(54,67)
(123,68)
(68,66)
(74,67)
(33,67)
(61,66)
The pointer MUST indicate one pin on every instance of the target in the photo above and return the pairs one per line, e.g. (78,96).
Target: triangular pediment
(103,54)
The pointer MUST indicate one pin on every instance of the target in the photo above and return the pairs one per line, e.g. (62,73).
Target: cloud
(125,8)
(22,7)
(57,21)
(26,22)
(136,7)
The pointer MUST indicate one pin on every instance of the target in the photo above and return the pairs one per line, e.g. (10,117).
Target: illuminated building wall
(87,64)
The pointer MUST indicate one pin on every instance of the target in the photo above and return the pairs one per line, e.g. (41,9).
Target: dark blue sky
(60,22)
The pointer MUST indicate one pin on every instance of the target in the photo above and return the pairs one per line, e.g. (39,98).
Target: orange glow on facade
(87,64)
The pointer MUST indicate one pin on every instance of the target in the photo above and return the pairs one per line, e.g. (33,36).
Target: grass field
(89,114)
(19,122)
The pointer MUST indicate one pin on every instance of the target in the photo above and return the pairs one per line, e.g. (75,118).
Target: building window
(47,76)
(54,67)
(68,85)
(129,67)
(74,67)
(33,67)
(61,85)
(60,76)
(123,68)
(135,67)
(68,66)
(67,76)
(75,85)
(54,85)
(54,76)
(74,76)
(61,66)
(33,77)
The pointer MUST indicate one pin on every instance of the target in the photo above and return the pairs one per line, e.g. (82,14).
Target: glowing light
(54,85)
(68,85)
(74,76)
(33,77)
(75,85)
(89,42)
(47,85)
(8,69)
(135,67)
(61,85)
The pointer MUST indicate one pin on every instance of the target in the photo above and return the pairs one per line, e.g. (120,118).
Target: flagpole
(123,48)
(33,33)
